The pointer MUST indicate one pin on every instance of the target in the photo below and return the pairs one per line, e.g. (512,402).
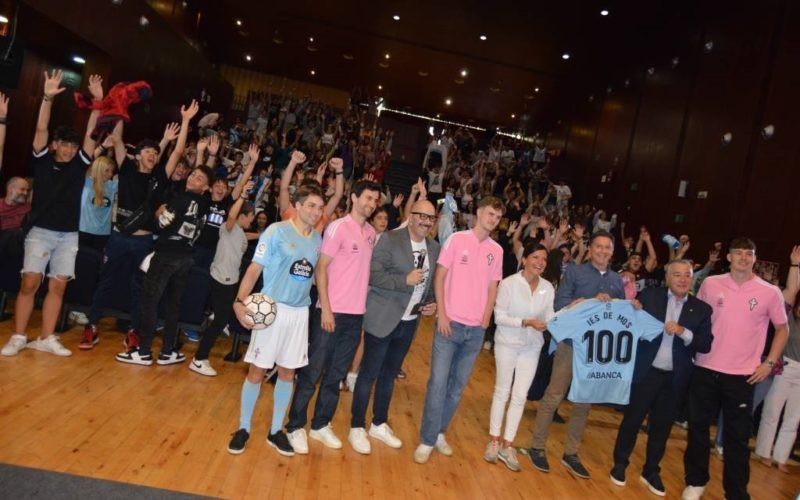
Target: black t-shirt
(217,215)
(190,211)
(57,190)
(645,279)
(133,187)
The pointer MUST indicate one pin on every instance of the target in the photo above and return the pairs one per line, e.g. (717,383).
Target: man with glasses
(399,292)
(724,378)
(59,173)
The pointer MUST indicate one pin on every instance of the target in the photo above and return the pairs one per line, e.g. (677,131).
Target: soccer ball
(261,310)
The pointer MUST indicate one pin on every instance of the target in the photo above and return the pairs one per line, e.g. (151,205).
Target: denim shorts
(43,246)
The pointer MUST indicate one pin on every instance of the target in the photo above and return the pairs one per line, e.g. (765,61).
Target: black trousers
(167,275)
(654,395)
(708,392)
(222,306)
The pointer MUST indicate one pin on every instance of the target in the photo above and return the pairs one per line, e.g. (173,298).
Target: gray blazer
(388,296)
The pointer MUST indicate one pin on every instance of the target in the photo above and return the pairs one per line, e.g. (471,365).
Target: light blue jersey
(289,259)
(604,338)
(97,220)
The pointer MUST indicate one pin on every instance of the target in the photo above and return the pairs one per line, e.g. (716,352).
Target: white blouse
(515,302)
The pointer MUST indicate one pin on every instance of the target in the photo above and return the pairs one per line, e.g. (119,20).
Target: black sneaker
(654,484)
(539,459)
(239,439)
(280,442)
(170,358)
(617,475)
(134,357)
(574,465)
(558,419)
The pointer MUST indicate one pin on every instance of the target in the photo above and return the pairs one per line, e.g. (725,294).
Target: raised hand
(3,105)
(171,131)
(298,157)
(794,257)
(202,145)
(512,228)
(321,170)
(213,145)
(188,112)
(368,177)
(336,164)
(96,87)
(525,219)
(247,189)
(252,151)
(52,83)
(398,200)
(563,226)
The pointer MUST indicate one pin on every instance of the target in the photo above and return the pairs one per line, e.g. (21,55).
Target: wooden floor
(167,427)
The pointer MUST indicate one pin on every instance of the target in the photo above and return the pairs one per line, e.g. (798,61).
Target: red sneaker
(131,340)
(90,338)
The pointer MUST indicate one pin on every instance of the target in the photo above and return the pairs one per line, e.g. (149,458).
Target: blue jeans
(452,360)
(121,262)
(329,356)
(383,358)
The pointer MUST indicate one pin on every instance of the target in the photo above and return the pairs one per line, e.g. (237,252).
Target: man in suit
(663,368)
(399,291)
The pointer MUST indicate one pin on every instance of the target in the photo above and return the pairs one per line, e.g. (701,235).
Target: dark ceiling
(430,45)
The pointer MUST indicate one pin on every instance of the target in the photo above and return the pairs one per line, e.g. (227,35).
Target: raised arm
(96,89)
(651,262)
(793,279)
(284,198)
(187,113)
(170,134)
(236,207)
(213,150)
(52,87)
(337,165)
(3,118)
(252,152)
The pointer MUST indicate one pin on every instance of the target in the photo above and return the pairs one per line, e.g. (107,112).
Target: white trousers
(785,390)
(515,369)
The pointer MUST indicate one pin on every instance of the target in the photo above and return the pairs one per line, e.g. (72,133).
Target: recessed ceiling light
(438,115)
(349,57)
(536,89)
(464,72)
(311,39)
(79,59)
(247,56)
(386,56)
(238,22)
(483,38)
(396,17)
(513,116)
(565,56)
(448,101)
(604,12)
(3,20)
(313,72)
(380,87)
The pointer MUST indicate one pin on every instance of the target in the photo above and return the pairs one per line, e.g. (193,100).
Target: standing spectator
(53,238)
(743,306)
(468,271)
(99,191)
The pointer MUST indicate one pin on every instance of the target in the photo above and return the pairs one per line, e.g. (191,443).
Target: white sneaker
(78,318)
(358,440)
(490,455)
(487,346)
(203,367)
(720,451)
(442,446)
(51,345)
(350,381)
(15,344)
(299,441)
(422,453)
(693,493)
(385,434)
(326,436)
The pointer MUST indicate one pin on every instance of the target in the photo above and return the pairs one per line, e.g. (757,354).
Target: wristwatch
(770,363)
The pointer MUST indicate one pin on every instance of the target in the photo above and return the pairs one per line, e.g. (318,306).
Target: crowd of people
(289,201)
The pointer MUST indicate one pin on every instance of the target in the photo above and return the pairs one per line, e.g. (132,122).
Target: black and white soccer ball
(261,310)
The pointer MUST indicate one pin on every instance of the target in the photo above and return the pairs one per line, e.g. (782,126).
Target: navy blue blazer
(695,316)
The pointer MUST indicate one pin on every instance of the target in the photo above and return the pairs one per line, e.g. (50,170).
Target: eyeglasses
(424,217)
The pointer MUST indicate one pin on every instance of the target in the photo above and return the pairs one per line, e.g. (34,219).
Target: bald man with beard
(400,290)
(15,205)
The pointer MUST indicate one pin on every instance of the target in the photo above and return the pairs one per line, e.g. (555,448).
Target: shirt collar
(672,296)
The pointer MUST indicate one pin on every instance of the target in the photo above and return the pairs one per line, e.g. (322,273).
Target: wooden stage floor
(167,427)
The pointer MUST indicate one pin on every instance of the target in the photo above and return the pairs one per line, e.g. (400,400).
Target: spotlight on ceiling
(448,101)
(565,56)
(464,72)
(536,89)
(604,12)
(238,22)
(396,17)
(248,57)
(3,20)
(313,72)
(380,87)
(144,22)
(483,38)
(79,59)
(387,56)
(311,39)
(513,116)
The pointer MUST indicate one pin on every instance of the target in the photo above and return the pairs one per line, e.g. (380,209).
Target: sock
(281,396)
(250,394)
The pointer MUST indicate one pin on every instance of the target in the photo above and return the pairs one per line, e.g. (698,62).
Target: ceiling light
(422,72)
(248,57)
(483,38)
(238,22)
(3,20)
(396,17)
(438,115)
(313,72)
(311,39)
(536,89)
(386,56)
(565,56)
(464,72)
(380,87)
(349,57)
(513,115)
(79,59)
(604,12)
(448,101)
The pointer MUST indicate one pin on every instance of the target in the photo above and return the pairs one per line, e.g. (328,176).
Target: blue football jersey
(604,337)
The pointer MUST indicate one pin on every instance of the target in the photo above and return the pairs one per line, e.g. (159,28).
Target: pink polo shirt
(349,245)
(739,322)
(471,265)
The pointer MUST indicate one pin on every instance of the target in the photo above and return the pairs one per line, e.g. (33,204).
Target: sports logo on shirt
(261,249)
(753,303)
(490,258)
(301,270)
(465,257)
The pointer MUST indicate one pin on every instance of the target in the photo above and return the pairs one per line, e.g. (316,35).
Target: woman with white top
(523,307)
